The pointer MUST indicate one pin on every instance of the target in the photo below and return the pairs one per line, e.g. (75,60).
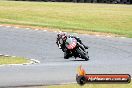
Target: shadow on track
(77,60)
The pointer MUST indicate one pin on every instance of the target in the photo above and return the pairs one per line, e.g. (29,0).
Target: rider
(61,38)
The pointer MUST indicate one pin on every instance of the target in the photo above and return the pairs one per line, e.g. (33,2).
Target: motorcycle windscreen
(71,43)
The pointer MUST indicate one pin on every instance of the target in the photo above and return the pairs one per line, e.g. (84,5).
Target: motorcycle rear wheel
(66,56)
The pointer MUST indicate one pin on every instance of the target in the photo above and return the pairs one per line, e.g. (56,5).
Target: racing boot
(86,47)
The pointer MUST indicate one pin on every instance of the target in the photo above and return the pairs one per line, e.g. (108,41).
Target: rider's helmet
(59,35)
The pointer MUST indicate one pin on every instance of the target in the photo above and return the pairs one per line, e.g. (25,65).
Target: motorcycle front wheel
(83,56)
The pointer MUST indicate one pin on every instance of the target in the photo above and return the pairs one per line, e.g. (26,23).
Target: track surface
(107,55)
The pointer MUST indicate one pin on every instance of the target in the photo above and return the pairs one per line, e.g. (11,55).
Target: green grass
(90,86)
(107,18)
(13,60)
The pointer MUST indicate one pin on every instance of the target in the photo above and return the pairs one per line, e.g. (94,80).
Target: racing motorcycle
(75,49)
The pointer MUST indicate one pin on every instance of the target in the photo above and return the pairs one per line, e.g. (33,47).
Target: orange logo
(83,78)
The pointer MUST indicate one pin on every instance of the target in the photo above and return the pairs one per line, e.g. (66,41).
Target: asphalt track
(107,55)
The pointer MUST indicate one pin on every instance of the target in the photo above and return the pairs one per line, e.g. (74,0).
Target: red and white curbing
(32,61)
(8,26)
(55,31)
(16,27)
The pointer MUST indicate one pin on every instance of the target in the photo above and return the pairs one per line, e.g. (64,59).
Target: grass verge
(13,60)
(104,18)
(91,86)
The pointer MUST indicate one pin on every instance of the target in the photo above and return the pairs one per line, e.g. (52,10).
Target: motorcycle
(75,49)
